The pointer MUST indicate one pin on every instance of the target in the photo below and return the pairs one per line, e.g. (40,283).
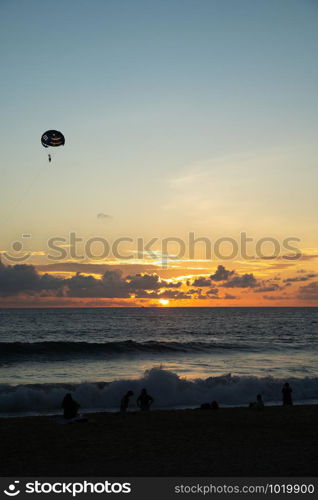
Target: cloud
(221,274)
(114,285)
(244,281)
(269,288)
(198,295)
(275,297)
(301,278)
(228,296)
(166,294)
(230,280)
(89,268)
(308,292)
(150,282)
(201,281)
(308,256)
(17,278)
(102,216)
(24,279)
(110,286)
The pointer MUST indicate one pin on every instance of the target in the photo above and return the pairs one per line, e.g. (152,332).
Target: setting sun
(164,302)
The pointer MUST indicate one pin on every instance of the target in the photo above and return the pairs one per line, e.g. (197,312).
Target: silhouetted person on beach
(287,397)
(70,406)
(210,406)
(124,402)
(205,406)
(144,400)
(259,403)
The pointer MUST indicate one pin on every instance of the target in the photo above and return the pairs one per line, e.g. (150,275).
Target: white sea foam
(168,389)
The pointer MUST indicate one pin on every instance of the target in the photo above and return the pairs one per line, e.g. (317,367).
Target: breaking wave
(168,389)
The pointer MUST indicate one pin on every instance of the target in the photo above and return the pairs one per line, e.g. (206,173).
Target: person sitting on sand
(124,402)
(70,406)
(144,400)
(259,404)
(207,406)
(287,397)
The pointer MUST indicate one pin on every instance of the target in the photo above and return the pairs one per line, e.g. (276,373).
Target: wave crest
(83,349)
(168,389)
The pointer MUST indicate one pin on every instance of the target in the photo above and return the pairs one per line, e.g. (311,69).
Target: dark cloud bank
(22,279)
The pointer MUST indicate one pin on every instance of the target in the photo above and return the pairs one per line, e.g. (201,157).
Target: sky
(180,116)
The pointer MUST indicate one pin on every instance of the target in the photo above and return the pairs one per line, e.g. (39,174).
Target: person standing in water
(124,402)
(287,395)
(144,400)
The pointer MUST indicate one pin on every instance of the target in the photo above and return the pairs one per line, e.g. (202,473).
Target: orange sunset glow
(275,282)
(176,170)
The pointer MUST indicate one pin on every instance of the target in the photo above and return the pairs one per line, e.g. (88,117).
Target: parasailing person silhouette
(52,139)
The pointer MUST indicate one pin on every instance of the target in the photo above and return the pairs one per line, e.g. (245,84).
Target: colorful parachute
(53,139)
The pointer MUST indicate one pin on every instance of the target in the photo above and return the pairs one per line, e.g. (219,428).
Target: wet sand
(228,442)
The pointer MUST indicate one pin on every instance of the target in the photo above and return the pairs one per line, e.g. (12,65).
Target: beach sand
(275,441)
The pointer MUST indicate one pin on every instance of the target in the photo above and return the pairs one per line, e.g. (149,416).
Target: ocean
(183,356)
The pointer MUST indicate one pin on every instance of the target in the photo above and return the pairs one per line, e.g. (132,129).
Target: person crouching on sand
(144,400)
(124,402)
(70,406)
(287,397)
(259,403)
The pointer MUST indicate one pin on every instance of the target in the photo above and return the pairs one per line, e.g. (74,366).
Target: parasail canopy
(52,138)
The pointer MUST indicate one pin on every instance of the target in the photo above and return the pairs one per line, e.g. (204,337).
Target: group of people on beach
(259,403)
(287,398)
(144,401)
